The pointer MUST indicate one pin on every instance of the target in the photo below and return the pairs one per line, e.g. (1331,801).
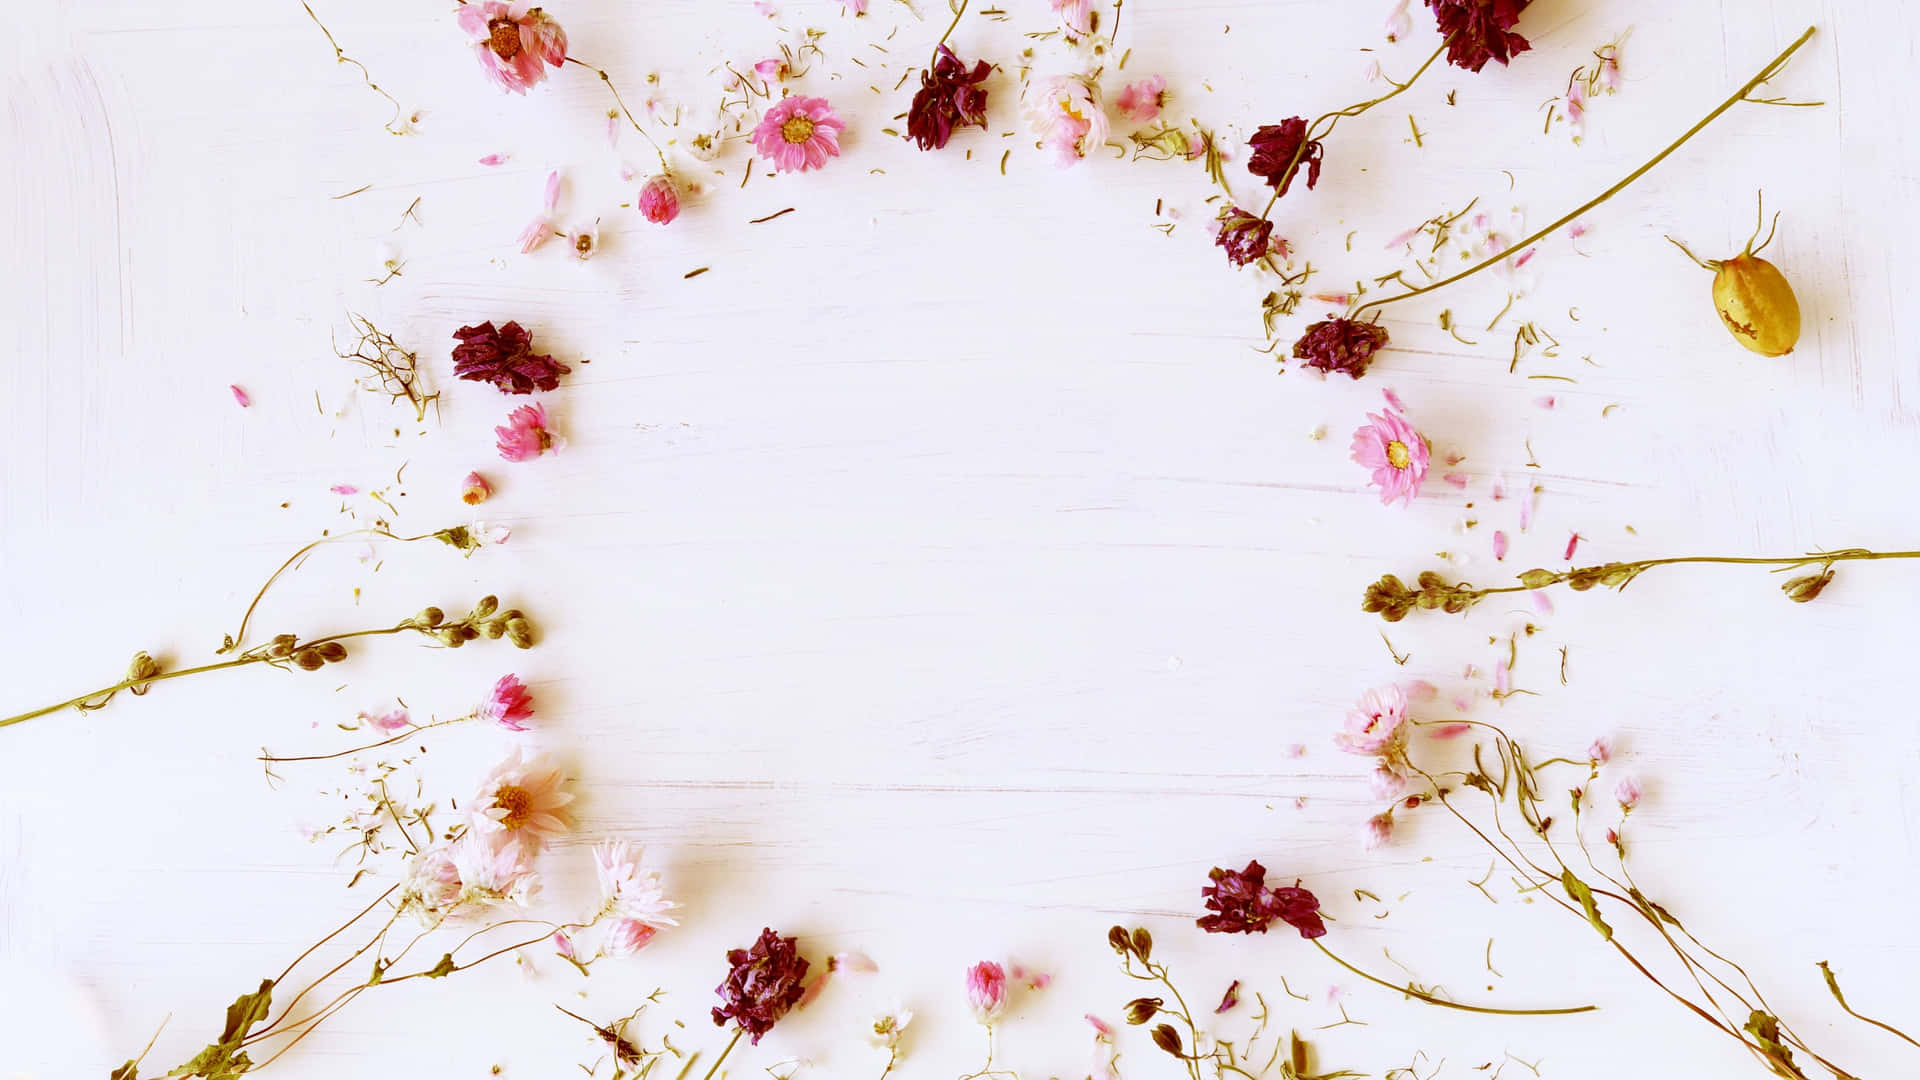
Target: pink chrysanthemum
(515,42)
(524,798)
(1141,101)
(1376,725)
(799,133)
(1065,114)
(1396,453)
(627,888)
(525,435)
(659,202)
(509,704)
(986,991)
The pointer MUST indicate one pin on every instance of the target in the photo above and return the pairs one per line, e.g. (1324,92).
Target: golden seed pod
(309,660)
(1757,305)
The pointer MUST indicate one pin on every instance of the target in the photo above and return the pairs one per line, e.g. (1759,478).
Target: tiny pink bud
(986,991)
(659,202)
(1601,750)
(1627,791)
(475,490)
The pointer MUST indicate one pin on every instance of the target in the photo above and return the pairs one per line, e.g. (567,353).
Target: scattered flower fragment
(240,396)
(1142,101)
(1477,31)
(1342,345)
(1242,903)
(525,435)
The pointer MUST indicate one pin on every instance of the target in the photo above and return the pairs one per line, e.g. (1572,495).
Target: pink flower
(1379,830)
(493,868)
(799,133)
(537,232)
(344,489)
(659,202)
(627,936)
(1376,725)
(509,705)
(240,396)
(1064,113)
(394,719)
(1076,16)
(627,888)
(515,42)
(475,490)
(524,799)
(1600,751)
(1395,452)
(1499,545)
(525,435)
(856,7)
(986,991)
(1627,793)
(1141,101)
(432,884)
(1386,781)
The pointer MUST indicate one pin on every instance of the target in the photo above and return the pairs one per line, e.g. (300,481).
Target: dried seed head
(1142,943)
(431,616)
(486,606)
(1166,1038)
(1141,1010)
(520,632)
(281,646)
(1118,939)
(331,651)
(309,660)
(1757,305)
(142,667)
(1802,589)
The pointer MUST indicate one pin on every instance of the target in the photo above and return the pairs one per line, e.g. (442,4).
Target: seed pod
(1166,1038)
(331,651)
(1142,943)
(431,616)
(142,667)
(1803,589)
(281,646)
(520,632)
(1757,305)
(1118,939)
(1141,1010)
(309,660)
(487,606)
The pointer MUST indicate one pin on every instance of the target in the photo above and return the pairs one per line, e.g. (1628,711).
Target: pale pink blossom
(1399,22)
(1600,751)
(1499,545)
(1141,101)
(799,133)
(1379,830)
(493,868)
(475,490)
(628,888)
(537,232)
(627,936)
(432,884)
(1376,725)
(483,533)
(508,704)
(240,396)
(659,202)
(1627,793)
(1076,16)
(525,800)
(855,7)
(1297,750)
(1397,454)
(1064,112)
(515,42)
(525,435)
(390,721)
(986,991)
(1386,781)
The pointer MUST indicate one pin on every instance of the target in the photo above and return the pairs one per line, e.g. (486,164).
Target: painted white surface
(942,575)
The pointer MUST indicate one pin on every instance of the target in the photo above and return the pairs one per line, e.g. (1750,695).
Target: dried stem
(1443,1002)
(395,126)
(1316,131)
(624,111)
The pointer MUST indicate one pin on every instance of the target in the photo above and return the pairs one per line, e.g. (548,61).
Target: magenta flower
(986,991)
(509,705)
(1242,904)
(1275,148)
(1341,345)
(516,43)
(659,202)
(1246,238)
(525,435)
(1395,452)
(799,133)
(765,982)
(1375,725)
(1141,101)
(1480,30)
(505,358)
(950,96)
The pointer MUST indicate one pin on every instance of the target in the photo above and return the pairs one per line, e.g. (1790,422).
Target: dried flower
(888,1027)
(1480,30)
(524,798)
(493,868)
(799,133)
(515,42)
(659,201)
(1341,345)
(1229,999)
(1600,751)
(1299,909)
(431,885)
(986,991)
(1379,830)
(1238,900)
(505,358)
(475,490)
(1397,454)
(1399,22)
(764,983)
(1375,726)
(624,937)
(586,242)
(1800,590)
(1281,150)
(627,888)
(509,705)
(950,96)
(1244,236)
(525,435)
(1627,793)
(1142,101)
(1076,16)
(537,232)
(1064,112)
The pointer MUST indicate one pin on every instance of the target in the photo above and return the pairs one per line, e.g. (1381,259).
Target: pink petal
(1525,257)
(1499,544)
(1422,690)
(1100,1026)
(1393,399)
(1502,678)
(240,396)
(1546,401)
(1526,510)
(1458,480)
(1542,603)
(1572,543)
(551,198)
(344,489)
(494,159)
(1451,731)
(1578,229)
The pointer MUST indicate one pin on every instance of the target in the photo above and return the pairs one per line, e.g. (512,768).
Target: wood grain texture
(944,574)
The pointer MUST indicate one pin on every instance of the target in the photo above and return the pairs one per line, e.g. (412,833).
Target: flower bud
(1538,579)
(1757,305)
(493,628)
(1142,943)
(1141,1010)
(309,660)
(450,637)
(1118,939)
(331,651)
(430,616)
(659,202)
(520,632)
(1166,1038)
(486,606)
(281,646)
(1799,590)
(142,667)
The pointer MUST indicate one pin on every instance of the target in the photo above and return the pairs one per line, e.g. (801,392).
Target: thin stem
(1444,1003)
(1315,132)
(951,27)
(394,126)
(240,636)
(343,929)
(407,734)
(1787,563)
(628,113)
(717,1062)
(1740,95)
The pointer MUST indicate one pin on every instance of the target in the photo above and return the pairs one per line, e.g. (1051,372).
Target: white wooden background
(942,575)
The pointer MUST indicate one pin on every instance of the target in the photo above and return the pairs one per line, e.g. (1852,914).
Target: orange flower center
(1398,455)
(797,129)
(503,37)
(517,803)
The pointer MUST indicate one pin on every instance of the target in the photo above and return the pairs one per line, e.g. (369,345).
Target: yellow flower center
(517,803)
(797,129)
(503,37)
(1397,454)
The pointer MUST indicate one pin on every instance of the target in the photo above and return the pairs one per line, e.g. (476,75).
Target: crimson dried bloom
(1342,345)
(1480,30)
(765,982)
(950,96)
(1244,236)
(1275,148)
(1299,909)
(505,358)
(1238,900)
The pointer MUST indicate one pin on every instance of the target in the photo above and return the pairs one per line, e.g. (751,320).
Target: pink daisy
(524,798)
(1395,452)
(799,133)
(525,435)
(1141,101)
(509,705)
(1376,723)
(515,42)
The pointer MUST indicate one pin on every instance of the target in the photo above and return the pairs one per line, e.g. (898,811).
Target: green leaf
(442,969)
(224,1060)
(1579,891)
(1765,1030)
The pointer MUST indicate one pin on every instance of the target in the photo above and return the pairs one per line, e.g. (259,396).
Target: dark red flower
(765,982)
(1275,146)
(1238,900)
(1341,345)
(950,96)
(1480,30)
(1244,236)
(505,358)
(1299,909)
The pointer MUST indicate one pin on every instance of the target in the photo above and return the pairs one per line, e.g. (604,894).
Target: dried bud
(1617,575)
(430,616)
(1538,579)
(1757,305)
(142,667)
(1122,944)
(450,637)
(1584,578)
(520,632)
(1167,1039)
(1799,590)
(1389,598)
(486,607)
(1142,943)
(331,651)
(281,646)
(309,660)
(1141,1010)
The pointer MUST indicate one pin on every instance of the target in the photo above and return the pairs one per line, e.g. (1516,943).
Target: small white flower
(888,1027)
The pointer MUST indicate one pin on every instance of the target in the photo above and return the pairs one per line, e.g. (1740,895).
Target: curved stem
(628,113)
(1332,120)
(1739,95)
(951,27)
(1444,1003)
(407,734)
(1788,563)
